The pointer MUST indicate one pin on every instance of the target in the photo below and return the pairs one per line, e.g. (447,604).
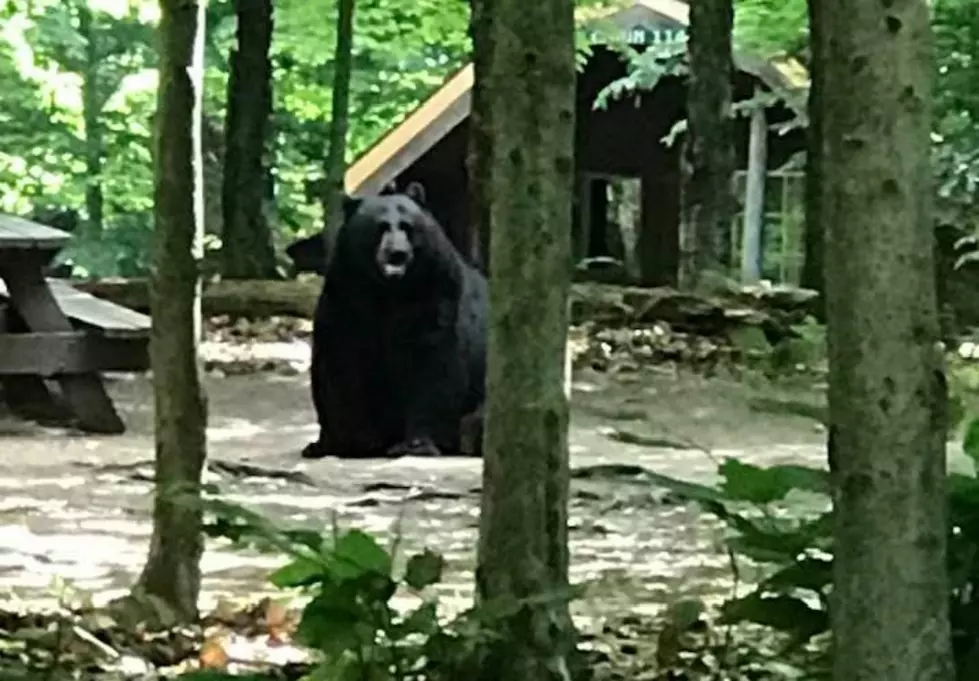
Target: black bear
(310,253)
(400,334)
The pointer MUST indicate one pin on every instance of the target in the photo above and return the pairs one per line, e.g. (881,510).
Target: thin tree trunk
(480,153)
(91,119)
(529,91)
(172,572)
(246,249)
(336,158)
(708,152)
(887,391)
(813,263)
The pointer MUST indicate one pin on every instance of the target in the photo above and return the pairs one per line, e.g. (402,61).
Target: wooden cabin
(622,142)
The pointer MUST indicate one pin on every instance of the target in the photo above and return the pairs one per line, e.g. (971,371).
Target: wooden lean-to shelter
(624,140)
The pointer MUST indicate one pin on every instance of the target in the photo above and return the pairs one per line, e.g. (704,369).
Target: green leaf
(785,613)
(298,573)
(424,569)
(764,485)
(814,574)
(760,541)
(332,620)
(422,620)
(970,443)
(684,614)
(357,553)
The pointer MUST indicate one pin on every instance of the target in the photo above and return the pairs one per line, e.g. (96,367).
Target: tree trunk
(887,391)
(336,158)
(92,103)
(708,152)
(246,249)
(814,263)
(480,153)
(529,91)
(172,572)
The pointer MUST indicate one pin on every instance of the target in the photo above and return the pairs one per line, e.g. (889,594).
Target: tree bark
(246,249)
(887,391)
(708,151)
(480,153)
(172,572)
(814,263)
(336,158)
(529,91)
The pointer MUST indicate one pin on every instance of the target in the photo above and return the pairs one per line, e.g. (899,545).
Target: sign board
(647,35)
(641,35)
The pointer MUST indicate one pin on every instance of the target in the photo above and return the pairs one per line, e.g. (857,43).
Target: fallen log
(252,298)
(590,302)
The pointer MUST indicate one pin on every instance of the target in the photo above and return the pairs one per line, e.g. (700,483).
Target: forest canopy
(80,83)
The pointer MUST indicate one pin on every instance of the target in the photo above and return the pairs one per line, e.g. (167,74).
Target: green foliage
(795,550)
(956,149)
(51,51)
(805,348)
(771,27)
(350,620)
(644,69)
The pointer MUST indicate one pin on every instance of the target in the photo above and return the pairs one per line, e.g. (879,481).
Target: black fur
(398,362)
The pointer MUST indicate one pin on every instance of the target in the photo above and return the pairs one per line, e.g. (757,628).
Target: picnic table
(50,331)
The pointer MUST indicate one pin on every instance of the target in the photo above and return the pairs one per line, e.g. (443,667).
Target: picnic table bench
(49,330)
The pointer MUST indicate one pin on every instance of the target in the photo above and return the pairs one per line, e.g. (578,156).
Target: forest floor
(76,507)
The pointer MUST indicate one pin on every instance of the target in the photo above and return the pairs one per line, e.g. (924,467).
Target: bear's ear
(350,206)
(416,192)
(390,188)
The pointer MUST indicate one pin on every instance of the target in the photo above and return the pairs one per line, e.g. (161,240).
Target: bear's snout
(394,253)
(397,258)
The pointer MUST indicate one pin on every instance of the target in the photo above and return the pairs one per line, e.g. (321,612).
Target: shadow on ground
(77,506)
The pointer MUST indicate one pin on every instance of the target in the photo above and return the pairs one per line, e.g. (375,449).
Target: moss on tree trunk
(887,393)
(529,94)
(336,157)
(172,572)
(708,150)
(246,249)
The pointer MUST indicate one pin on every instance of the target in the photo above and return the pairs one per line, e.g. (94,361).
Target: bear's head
(392,239)
(311,254)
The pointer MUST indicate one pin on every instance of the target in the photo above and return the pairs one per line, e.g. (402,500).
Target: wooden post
(754,198)
(582,228)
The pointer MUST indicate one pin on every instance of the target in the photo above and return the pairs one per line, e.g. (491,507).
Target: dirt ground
(76,506)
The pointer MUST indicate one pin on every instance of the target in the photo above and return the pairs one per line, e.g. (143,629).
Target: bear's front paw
(314,450)
(415,447)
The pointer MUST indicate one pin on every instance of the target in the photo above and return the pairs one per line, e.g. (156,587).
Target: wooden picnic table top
(18,233)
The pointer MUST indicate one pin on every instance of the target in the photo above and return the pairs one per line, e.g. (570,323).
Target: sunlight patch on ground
(295,352)
(61,482)
(234,429)
(632,549)
(20,504)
